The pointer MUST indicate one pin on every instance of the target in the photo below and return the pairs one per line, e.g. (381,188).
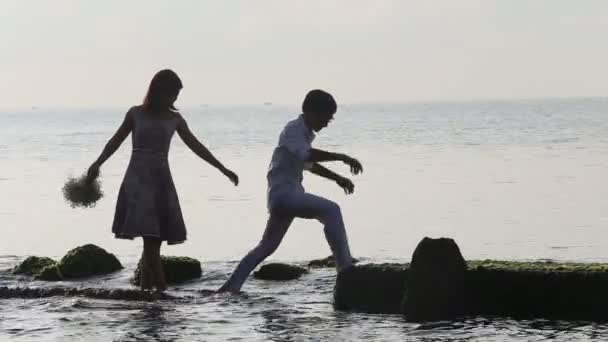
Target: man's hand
(355,166)
(346,184)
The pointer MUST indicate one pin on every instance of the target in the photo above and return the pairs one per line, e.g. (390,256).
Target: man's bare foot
(226,288)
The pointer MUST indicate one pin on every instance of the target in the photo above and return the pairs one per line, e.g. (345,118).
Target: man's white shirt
(289,160)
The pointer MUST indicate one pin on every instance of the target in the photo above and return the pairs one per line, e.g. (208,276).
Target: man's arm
(316,156)
(324,172)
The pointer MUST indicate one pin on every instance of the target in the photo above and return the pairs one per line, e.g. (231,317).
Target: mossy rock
(88,260)
(33,265)
(279,271)
(328,262)
(552,290)
(177,270)
(536,266)
(50,273)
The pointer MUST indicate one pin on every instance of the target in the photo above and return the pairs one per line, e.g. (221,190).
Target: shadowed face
(320,121)
(170,98)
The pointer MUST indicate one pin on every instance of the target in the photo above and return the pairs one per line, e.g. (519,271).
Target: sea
(506,179)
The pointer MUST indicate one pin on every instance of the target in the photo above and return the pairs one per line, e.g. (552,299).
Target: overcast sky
(104,53)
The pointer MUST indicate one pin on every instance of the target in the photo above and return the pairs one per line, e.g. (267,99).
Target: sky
(231,52)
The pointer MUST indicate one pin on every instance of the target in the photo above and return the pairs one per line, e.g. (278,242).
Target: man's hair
(319,102)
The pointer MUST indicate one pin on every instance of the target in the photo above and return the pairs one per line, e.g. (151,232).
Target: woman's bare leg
(145,275)
(153,261)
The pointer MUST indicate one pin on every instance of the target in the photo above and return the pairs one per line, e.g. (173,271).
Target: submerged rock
(436,282)
(279,271)
(88,260)
(177,270)
(50,273)
(33,265)
(371,288)
(113,294)
(328,262)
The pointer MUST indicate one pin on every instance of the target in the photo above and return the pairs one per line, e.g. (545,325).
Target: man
(287,198)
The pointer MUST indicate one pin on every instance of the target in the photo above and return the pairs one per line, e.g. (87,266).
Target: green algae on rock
(88,260)
(49,273)
(32,265)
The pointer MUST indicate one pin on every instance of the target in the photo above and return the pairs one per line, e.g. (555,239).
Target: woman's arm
(112,145)
(200,150)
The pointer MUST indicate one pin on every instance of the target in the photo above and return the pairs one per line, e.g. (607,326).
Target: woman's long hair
(164,83)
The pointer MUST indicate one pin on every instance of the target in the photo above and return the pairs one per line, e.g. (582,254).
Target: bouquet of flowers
(82,191)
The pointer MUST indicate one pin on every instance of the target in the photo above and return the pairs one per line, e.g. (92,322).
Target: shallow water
(516,180)
(299,310)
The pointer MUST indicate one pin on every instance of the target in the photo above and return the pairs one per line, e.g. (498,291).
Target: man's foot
(226,288)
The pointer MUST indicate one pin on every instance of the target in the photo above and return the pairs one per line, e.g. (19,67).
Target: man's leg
(304,205)
(276,227)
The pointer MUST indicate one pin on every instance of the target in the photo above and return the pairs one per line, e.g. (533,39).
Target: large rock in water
(436,282)
(372,288)
(177,270)
(33,265)
(86,261)
(278,271)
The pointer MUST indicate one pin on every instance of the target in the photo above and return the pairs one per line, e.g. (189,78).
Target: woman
(148,205)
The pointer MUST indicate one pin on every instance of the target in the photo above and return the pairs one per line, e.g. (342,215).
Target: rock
(50,273)
(439,285)
(549,290)
(436,282)
(328,262)
(32,265)
(97,293)
(371,288)
(278,271)
(88,260)
(177,270)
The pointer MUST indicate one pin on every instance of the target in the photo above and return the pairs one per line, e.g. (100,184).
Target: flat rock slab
(567,291)
(371,288)
(113,294)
